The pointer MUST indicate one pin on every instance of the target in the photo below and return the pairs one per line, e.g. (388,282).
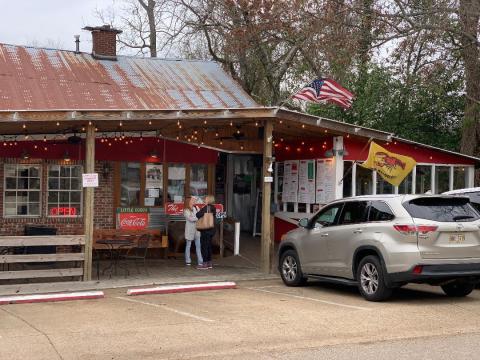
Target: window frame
(40,177)
(313,220)
(379,221)
(47,190)
(366,212)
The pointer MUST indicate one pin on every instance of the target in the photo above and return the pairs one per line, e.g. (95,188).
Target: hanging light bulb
(24,126)
(150,122)
(45,138)
(231,123)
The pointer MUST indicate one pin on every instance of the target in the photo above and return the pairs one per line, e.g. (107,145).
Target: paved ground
(260,319)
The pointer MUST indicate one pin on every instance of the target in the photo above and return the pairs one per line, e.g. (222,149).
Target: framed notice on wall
(306,182)
(290,181)
(325,186)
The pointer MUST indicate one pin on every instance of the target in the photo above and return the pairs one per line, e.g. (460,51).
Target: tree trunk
(469,17)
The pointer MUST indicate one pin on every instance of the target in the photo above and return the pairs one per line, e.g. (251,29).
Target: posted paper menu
(290,181)
(306,182)
(325,191)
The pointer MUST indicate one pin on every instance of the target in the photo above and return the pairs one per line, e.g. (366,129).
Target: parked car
(472,193)
(382,242)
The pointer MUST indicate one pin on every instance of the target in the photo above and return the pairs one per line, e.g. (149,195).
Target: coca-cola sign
(134,220)
(177,208)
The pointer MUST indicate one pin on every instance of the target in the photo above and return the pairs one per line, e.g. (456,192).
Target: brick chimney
(104,40)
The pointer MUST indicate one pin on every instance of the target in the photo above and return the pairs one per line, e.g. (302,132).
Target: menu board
(290,181)
(325,191)
(306,182)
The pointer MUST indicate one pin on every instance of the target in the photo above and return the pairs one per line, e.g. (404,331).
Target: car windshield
(442,209)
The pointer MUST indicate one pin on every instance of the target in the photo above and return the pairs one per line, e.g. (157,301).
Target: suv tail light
(413,229)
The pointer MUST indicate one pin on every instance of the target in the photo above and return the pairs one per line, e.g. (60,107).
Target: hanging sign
(177,208)
(90,180)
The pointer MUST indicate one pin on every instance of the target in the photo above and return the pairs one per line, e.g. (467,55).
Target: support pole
(267,243)
(88,205)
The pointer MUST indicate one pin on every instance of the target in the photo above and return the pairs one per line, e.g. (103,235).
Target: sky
(49,23)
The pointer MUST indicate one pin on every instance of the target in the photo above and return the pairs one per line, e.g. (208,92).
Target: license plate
(456,238)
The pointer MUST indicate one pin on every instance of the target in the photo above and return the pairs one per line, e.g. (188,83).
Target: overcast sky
(48,23)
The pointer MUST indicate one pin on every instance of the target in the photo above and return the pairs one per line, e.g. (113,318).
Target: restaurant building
(157,130)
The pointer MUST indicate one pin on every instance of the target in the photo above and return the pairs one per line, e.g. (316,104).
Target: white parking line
(310,299)
(201,318)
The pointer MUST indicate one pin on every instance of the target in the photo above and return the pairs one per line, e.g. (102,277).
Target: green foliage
(428,110)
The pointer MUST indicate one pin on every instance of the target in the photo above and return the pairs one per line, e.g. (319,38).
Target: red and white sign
(133,221)
(177,208)
(63,211)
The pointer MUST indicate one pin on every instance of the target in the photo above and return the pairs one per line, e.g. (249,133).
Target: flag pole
(349,170)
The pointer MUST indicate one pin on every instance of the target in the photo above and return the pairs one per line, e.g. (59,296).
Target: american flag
(326,90)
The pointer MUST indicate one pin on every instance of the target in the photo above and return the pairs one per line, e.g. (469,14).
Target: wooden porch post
(88,205)
(267,244)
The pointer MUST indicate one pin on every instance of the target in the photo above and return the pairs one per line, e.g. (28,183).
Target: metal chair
(139,252)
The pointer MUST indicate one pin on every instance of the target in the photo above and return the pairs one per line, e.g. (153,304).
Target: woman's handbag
(206,221)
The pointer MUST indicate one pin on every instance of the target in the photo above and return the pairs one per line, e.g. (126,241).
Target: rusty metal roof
(47,79)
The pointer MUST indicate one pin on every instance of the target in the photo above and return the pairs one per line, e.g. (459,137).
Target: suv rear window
(442,209)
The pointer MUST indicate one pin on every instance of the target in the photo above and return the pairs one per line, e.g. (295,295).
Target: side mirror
(303,222)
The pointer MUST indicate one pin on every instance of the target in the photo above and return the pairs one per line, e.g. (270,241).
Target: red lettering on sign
(63,211)
(133,221)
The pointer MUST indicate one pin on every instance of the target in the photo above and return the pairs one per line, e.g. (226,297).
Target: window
(154,185)
(353,212)
(129,184)
(364,182)
(347,178)
(459,177)
(379,211)
(423,182)
(21,195)
(384,187)
(326,217)
(442,209)
(176,182)
(405,186)
(64,190)
(198,180)
(442,179)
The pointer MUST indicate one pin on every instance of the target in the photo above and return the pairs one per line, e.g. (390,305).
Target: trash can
(31,230)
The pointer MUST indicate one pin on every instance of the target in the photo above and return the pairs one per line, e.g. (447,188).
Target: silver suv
(382,242)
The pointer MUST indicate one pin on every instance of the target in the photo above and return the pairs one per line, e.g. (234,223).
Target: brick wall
(104,195)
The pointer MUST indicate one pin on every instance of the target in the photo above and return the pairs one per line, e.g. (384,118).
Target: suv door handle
(357,231)
(324,235)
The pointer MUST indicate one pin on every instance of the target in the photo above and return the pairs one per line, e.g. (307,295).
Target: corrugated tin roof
(46,79)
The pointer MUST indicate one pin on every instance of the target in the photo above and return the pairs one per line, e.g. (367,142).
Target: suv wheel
(370,277)
(458,288)
(290,269)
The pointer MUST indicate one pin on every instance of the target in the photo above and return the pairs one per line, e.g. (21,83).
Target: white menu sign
(325,191)
(290,181)
(90,180)
(306,182)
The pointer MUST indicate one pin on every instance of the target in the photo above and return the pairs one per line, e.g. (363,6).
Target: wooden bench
(10,254)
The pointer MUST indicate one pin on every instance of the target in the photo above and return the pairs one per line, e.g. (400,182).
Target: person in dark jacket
(206,235)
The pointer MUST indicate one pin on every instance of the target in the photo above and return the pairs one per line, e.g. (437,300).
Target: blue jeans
(188,245)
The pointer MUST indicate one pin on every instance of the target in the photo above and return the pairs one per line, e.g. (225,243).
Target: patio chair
(139,252)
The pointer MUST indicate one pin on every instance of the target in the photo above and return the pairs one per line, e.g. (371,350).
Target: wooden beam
(33,274)
(42,240)
(11,259)
(89,202)
(266,243)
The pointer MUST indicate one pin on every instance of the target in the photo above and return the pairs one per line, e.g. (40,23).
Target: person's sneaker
(202,267)
(209,265)
(188,264)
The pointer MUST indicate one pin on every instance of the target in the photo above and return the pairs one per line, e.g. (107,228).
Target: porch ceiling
(230,130)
